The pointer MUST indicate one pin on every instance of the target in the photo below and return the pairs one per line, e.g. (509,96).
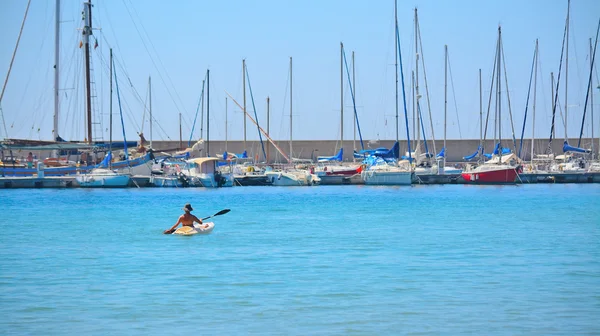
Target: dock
(38,182)
(427,179)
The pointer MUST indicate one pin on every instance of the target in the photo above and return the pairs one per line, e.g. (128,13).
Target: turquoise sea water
(348,260)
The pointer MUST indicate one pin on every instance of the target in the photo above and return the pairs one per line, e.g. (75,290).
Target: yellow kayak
(204,228)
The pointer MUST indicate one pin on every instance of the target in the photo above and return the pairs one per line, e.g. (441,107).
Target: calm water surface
(350,260)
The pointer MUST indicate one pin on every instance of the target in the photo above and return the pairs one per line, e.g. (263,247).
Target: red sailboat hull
(347,172)
(500,176)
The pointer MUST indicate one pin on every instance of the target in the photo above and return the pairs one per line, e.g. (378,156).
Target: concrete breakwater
(310,149)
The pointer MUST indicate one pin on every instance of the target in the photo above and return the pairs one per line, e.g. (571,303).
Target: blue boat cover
(567,148)
(185,156)
(366,152)
(496,151)
(107,159)
(392,153)
(358,155)
(231,156)
(470,157)
(338,157)
(442,153)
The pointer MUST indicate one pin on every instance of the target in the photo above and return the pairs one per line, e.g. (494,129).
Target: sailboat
(380,171)
(105,177)
(292,176)
(330,169)
(58,166)
(205,171)
(501,168)
(245,170)
(429,167)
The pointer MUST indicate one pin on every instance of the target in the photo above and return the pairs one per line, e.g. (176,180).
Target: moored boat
(490,173)
(103,178)
(204,172)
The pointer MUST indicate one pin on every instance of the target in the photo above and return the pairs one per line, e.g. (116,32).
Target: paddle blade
(222,212)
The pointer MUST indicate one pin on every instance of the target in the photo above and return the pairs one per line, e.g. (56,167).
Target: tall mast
(414,107)
(499,95)
(180,133)
(445,96)
(291,81)
(592,98)
(417,80)
(226,124)
(208,112)
(268,127)
(341,95)
(534,99)
(552,89)
(86,32)
(396,61)
(55,134)
(354,95)
(110,112)
(202,110)
(244,93)
(150,98)
(480,118)
(567,67)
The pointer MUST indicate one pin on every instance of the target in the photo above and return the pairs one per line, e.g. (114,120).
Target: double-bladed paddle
(222,212)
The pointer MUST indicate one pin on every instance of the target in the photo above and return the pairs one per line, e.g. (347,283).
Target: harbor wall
(310,149)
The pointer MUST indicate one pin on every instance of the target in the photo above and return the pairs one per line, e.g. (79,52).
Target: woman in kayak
(187,219)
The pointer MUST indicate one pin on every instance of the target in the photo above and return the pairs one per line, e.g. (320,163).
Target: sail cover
(392,153)
(442,153)
(233,156)
(497,151)
(107,159)
(470,157)
(567,148)
(338,157)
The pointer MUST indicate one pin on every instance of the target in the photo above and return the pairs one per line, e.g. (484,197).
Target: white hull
(144,168)
(290,179)
(166,181)
(435,171)
(106,179)
(209,181)
(389,176)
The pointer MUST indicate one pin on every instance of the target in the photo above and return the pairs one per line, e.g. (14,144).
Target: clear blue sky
(175,42)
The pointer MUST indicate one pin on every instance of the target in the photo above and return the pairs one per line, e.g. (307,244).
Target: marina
(267,180)
(299,168)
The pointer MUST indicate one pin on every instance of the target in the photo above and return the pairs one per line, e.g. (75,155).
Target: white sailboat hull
(209,181)
(289,179)
(105,179)
(387,177)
